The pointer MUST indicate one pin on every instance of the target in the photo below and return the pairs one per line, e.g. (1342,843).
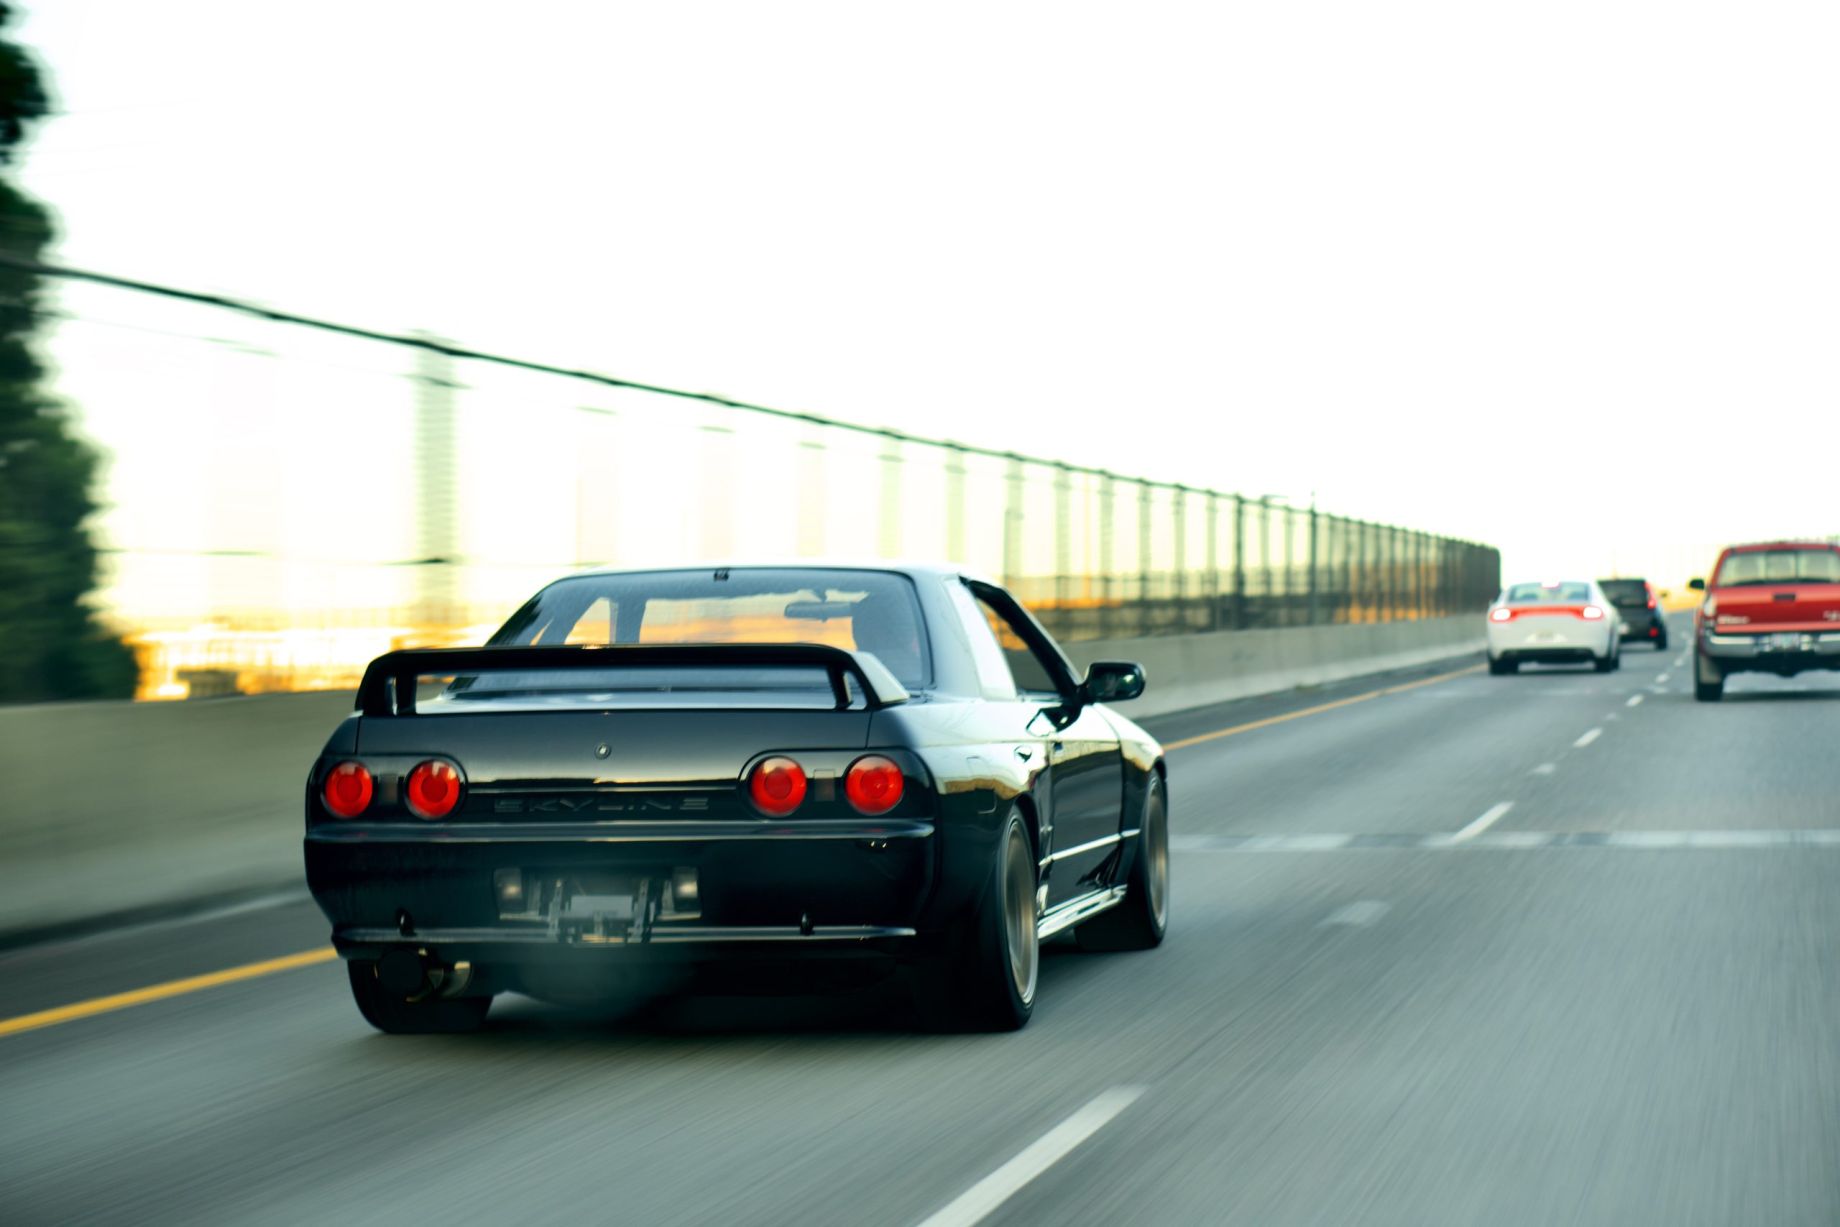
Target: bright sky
(1556,277)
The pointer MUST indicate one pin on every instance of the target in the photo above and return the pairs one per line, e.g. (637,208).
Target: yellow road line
(1217,734)
(159,992)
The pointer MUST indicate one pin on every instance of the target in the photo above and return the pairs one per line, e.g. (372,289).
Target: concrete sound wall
(108,810)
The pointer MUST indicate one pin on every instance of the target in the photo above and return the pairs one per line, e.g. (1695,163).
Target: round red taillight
(433,789)
(874,784)
(347,790)
(777,786)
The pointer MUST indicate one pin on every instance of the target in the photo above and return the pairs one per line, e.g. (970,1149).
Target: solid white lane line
(1544,769)
(1635,700)
(979,1201)
(1489,818)
(1589,737)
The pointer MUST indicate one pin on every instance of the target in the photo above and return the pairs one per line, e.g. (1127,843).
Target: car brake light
(1711,607)
(777,786)
(1591,613)
(874,785)
(347,790)
(433,789)
(1500,615)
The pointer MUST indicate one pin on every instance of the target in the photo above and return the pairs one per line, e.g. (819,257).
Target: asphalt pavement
(1445,948)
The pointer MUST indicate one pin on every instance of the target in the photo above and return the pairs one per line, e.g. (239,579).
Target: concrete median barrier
(111,811)
(1186,671)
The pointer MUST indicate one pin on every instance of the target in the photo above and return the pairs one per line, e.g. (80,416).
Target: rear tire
(1708,682)
(394,1015)
(1603,664)
(985,980)
(1503,666)
(1141,919)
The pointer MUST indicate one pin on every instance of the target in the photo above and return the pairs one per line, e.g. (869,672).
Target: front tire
(985,980)
(1142,918)
(397,1015)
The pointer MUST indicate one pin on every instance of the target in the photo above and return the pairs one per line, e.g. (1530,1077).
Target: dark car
(1640,609)
(1771,607)
(754,776)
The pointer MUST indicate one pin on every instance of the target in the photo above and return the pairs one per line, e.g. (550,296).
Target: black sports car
(647,778)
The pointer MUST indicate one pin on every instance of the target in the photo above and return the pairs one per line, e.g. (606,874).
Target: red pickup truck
(1773,607)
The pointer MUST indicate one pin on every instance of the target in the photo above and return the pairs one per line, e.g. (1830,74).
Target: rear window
(1816,566)
(738,686)
(873,612)
(1625,591)
(1568,593)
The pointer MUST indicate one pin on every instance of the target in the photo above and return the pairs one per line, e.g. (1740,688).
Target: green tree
(51,644)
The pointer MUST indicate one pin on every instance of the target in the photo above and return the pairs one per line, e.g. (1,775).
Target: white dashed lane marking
(1589,736)
(1544,769)
(1635,700)
(1356,915)
(1511,840)
(1489,818)
(982,1199)
(1661,679)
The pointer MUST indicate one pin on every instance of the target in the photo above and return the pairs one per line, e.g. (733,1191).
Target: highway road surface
(1446,948)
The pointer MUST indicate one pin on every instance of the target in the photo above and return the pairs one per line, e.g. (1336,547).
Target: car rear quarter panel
(977,776)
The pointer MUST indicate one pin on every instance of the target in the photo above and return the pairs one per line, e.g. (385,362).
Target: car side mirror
(1112,681)
(1698,585)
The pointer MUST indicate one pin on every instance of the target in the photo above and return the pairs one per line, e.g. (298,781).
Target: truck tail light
(433,789)
(874,784)
(347,790)
(777,786)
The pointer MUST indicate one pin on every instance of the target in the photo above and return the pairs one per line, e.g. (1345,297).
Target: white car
(1555,622)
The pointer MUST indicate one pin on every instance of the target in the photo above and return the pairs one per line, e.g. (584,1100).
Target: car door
(1085,784)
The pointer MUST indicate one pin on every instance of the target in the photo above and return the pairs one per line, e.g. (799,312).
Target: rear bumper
(499,893)
(1763,652)
(1550,656)
(1642,625)
(1551,639)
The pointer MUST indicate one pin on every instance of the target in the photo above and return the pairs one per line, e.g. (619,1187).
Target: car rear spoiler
(388,688)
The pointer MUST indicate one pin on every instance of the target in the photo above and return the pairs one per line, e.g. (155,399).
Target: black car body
(1640,609)
(615,764)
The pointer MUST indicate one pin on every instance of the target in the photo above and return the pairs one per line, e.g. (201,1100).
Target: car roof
(1750,547)
(909,567)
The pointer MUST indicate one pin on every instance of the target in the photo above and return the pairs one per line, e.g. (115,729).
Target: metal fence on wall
(336,493)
